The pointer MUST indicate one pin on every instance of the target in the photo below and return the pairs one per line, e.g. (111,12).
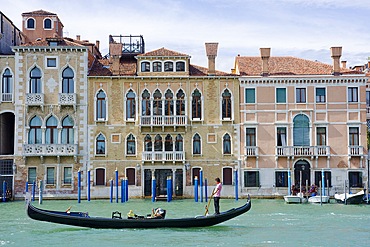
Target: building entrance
(304,167)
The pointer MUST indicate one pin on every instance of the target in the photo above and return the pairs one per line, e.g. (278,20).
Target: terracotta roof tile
(162,52)
(196,70)
(39,12)
(61,42)
(102,67)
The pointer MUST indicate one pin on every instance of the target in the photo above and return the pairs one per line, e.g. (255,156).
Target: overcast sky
(300,28)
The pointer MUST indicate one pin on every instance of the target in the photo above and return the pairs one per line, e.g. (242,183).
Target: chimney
(336,53)
(115,51)
(344,64)
(97,44)
(265,55)
(78,37)
(211,51)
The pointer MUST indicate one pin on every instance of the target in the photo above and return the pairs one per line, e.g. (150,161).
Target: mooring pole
(289,184)
(196,189)
(88,185)
(345,192)
(40,192)
(205,188)
(26,187)
(126,182)
(153,189)
(33,190)
(236,184)
(201,185)
(4,191)
(122,194)
(327,183)
(116,185)
(323,181)
(320,182)
(79,186)
(111,190)
(168,189)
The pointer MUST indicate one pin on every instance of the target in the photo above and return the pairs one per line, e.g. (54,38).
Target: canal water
(268,223)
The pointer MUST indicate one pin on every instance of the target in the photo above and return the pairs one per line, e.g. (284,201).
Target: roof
(196,70)
(286,66)
(39,12)
(162,52)
(102,67)
(61,42)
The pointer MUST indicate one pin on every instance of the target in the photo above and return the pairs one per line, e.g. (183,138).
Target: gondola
(84,220)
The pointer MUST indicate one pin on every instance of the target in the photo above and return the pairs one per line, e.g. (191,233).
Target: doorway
(304,167)
(161,181)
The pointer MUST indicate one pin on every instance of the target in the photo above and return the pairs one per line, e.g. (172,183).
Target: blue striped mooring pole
(323,182)
(171,189)
(116,185)
(289,184)
(40,192)
(126,191)
(79,186)
(122,194)
(196,189)
(26,187)
(205,188)
(88,185)
(4,191)
(111,190)
(153,189)
(33,191)
(168,189)
(201,185)
(236,184)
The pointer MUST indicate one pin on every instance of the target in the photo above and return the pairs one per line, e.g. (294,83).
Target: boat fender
(116,215)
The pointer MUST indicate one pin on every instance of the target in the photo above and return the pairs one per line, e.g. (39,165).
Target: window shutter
(258,179)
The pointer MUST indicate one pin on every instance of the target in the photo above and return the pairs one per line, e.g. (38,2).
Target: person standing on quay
(217,195)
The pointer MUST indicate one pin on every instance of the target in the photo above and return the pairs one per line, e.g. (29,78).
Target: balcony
(251,151)
(355,150)
(163,156)
(163,121)
(58,150)
(303,151)
(35,99)
(6,97)
(67,99)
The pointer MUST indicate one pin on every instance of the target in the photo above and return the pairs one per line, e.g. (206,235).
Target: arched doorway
(304,167)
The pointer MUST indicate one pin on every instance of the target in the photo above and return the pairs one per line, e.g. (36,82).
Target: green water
(268,223)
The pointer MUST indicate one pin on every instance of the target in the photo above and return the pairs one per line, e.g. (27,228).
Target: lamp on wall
(187,166)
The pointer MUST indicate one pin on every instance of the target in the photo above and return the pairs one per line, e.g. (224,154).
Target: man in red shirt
(217,195)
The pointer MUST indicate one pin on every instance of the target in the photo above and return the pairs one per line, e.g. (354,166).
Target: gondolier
(217,195)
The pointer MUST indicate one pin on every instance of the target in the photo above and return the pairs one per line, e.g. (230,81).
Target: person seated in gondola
(313,190)
(158,213)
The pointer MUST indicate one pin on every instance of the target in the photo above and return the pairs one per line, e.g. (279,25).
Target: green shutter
(245,178)
(257,179)
(250,95)
(280,95)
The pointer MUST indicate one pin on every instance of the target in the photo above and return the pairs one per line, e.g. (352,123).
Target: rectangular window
(196,173)
(281,179)
(67,175)
(281,95)
(353,136)
(250,137)
(281,136)
(250,96)
(31,175)
(320,95)
(318,178)
(352,94)
(355,179)
(6,167)
(300,95)
(52,62)
(53,43)
(50,175)
(321,136)
(227,176)
(251,179)
(367,98)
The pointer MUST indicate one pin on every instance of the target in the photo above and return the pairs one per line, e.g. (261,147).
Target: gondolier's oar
(210,199)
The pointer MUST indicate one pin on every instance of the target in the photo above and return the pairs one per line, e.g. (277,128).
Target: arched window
(168,145)
(180,103)
(158,147)
(301,130)
(146,103)
(68,83)
(100,144)
(179,143)
(168,107)
(157,104)
(51,134)
(197,105)
(196,144)
(145,67)
(227,144)
(101,105)
(35,83)
(67,130)
(7,86)
(180,66)
(130,105)
(30,23)
(168,66)
(157,67)
(131,145)
(226,104)
(35,134)
(47,24)
(148,143)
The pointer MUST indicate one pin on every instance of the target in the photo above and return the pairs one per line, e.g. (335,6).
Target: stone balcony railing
(251,151)
(163,120)
(35,99)
(50,150)
(6,97)
(163,156)
(67,99)
(303,151)
(355,150)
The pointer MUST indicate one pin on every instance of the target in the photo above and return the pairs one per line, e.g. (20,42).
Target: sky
(300,28)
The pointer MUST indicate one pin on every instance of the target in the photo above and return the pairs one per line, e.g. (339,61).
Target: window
(250,96)
(146,103)
(130,105)
(251,179)
(67,130)
(100,144)
(281,179)
(130,173)
(131,145)
(196,144)
(100,176)
(67,175)
(35,83)
(157,67)
(68,83)
(352,94)
(6,167)
(353,136)
(327,177)
(226,105)
(168,66)
(180,103)
(321,136)
(227,176)
(35,133)
(281,136)
(180,66)
(51,62)
(300,95)
(32,175)
(179,143)
(355,179)
(196,105)
(281,95)
(227,144)
(158,147)
(53,43)
(196,173)
(50,175)
(320,95)
(51,134)
(168,104)
(250,140)
(301,130)
(47,24)
(145,67)
(367,98)
(168,144)
(30,23)
(148,143)
(7,86)
(157,103)
(101,105)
